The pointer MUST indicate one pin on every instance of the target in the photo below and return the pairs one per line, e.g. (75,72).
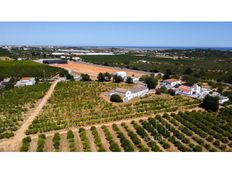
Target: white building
(135,79)
(195,90)
(122,74)
(76,58)
(223,99)
(170,82)
(184,90)
(26,81)
(58,54)
(136,91)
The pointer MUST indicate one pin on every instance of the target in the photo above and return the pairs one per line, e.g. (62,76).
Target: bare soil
(93,70)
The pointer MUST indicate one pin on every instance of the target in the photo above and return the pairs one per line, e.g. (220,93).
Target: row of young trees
(125,143)
(71,140)
(25,144)
(80,104)
(41,143)
(84,140)
(114,147)
(97,139)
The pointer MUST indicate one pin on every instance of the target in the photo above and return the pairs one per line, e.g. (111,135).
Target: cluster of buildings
(25,81)
(195,91)
(76,52)
(124,76)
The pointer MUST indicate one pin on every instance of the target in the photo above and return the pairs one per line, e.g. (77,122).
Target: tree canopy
(210,103)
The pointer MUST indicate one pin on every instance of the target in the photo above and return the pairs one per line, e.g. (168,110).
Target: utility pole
(44,74)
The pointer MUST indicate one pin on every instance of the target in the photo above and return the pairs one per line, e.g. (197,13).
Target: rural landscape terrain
(115,100)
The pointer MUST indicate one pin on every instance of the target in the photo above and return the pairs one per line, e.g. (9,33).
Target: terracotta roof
(184,88)
(138,88)
(26,78)
(171,80)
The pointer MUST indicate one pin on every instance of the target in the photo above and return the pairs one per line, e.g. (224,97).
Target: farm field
(212,68)
(27,68)
(94,70)
(80,104)
(195,131)
(15,103)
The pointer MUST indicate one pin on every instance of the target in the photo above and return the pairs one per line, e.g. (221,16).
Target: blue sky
(200,34)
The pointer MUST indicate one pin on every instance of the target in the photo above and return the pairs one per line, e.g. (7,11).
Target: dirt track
(13,144)
(93,70)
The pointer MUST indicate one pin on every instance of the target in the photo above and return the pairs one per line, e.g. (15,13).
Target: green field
(79,103)
(202,68)
(15,102)
(27,68)
(184,131)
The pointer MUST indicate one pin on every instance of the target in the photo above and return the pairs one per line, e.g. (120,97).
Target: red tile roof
(171,80)
(26,78)
(184,88)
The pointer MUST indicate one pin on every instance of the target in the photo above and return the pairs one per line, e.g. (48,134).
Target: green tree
(129,80)
(115,98)
(163,89)
(210,103)
(85,77)
(151,82)
(107,76)
(117,79)
(100,77)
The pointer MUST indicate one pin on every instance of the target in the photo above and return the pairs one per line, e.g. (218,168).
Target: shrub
(41,143)
(129,80)
(197,149)
(171,92)
(25,144)
(56,141)
(164,90)
(158,91)
(115,98)
(85,77)
(102,77)
(70,134)
(117,79)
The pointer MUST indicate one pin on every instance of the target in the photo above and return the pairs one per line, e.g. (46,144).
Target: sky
(147,34)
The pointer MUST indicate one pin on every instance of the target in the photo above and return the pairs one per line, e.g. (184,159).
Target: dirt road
(13,144)
(93,70)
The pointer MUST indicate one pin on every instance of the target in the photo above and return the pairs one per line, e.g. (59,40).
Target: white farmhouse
(26,81)
(170,82)
(194,91)
(136,91)
(184,90)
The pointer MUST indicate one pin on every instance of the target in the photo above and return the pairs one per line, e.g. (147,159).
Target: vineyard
(196,131)
(79,104)
(14,103)
(27,68)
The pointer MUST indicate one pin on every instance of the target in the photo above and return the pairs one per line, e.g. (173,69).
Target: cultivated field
(79,104)
(185,131)
(15,103)
(27,68)
(93,70)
